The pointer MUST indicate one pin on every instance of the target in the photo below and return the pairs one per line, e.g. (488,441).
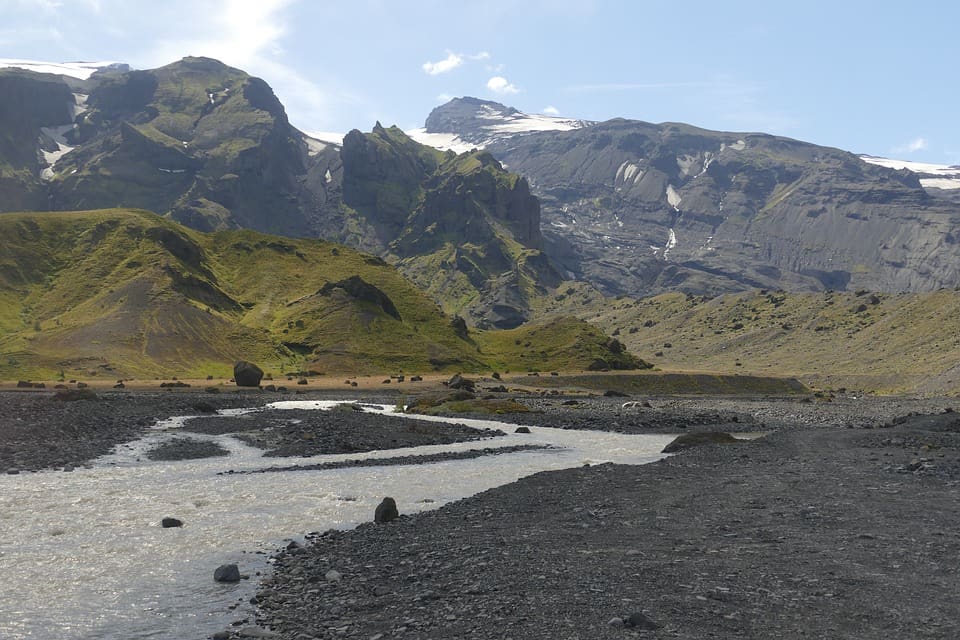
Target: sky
(871,77)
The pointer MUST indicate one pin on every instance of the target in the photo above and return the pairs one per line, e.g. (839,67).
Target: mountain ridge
(638,208)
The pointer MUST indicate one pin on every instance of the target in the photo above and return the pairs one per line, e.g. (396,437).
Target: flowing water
(83,555)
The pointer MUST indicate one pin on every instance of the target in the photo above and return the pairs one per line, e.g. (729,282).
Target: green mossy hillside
(859,340)
(127,293)
(564,343)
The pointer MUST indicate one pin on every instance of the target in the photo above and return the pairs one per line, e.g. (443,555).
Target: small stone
(640,621)
(221,635)
(615,622)
(522,430)
(13,472)
(333,575)
(227,573)
(168,523)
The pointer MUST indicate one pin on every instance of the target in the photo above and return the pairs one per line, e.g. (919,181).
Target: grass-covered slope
(859,340)
(125,293)
(136,295)
(565,343)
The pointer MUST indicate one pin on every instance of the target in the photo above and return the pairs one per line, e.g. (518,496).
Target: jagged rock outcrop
(460,226)
(196,140)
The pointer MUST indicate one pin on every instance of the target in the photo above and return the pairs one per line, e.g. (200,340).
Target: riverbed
(87,557)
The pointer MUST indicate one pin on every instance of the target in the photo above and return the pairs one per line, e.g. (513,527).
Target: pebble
(333,576)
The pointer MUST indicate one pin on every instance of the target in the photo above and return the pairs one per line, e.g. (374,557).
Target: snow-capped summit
(79,70)
(932,176)
(469,123)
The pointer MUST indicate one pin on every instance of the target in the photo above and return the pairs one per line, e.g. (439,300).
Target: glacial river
(83,555)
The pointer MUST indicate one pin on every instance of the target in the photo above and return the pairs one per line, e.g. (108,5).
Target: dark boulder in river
(227,573)
(386,511)
(247,374)
(168,523)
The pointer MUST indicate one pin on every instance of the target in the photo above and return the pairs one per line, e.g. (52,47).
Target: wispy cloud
(550,110)
(499,84)
(238,32)
(451,62)
(917,144)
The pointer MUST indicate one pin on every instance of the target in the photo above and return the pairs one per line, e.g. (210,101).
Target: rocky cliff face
(460,226)
(638,208)
(195,140)
(31,105)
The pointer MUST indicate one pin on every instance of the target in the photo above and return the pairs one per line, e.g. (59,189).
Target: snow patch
(940,183)
(79,105)
(57,134)
(708,159)
(739,145)
(933,176)
(79,70)
(673,198)
(628,171)
(330,137)
(686,163)
(671,243)
(442,141)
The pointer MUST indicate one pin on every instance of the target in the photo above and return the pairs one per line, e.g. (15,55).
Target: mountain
(467,123)
(639,208)
(210,146)
(124,293)
(460,226)
(195,140)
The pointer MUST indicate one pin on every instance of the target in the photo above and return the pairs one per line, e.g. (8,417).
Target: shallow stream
(84,556)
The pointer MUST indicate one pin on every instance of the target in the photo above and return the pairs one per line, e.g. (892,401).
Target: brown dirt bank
(819,532)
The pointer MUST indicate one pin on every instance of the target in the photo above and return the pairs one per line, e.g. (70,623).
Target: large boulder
(227,573)
(690,440)
(386,511)
(459,382)
(247,374)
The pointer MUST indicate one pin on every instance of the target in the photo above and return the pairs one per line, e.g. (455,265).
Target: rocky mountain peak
(476,122)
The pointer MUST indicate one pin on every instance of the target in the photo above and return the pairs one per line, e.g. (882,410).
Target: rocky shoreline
(839,524)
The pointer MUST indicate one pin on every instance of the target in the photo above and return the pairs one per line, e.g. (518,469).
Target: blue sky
(870,77)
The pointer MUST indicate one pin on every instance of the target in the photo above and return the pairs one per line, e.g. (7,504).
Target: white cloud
(550,110)
(917,144)
(444,97)
(499,84)
(451,62)
(240,33)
